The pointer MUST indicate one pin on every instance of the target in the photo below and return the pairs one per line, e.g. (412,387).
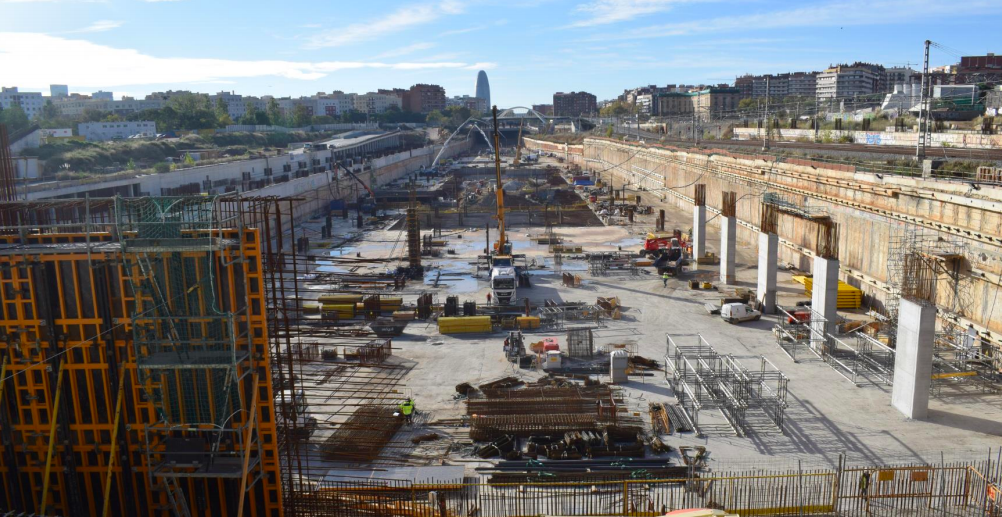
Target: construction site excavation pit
(487,411)
(598,327)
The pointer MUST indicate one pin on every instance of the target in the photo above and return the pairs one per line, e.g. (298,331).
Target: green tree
(50,111)
(15,118)
(111,117)
(222,113)
(274,112)
(748,103)
(161,167)
(609,131)
(352,117)
(193,111)
(300,116)
(394,115)
(250,114)
(617,109)
(131,164)
(323,119)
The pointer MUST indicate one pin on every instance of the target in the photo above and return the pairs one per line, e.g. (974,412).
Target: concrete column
(824,295)
(768,259)
(728,248)
(913,359)
(698,231)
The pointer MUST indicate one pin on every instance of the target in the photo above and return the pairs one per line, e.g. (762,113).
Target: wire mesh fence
(953,489)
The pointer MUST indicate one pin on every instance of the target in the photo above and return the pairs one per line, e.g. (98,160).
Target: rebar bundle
(705,380)
(363,436)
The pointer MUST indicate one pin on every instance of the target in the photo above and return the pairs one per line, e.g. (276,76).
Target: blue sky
(530,49)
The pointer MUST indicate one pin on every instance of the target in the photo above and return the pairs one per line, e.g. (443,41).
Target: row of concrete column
(825,291)
(916,322)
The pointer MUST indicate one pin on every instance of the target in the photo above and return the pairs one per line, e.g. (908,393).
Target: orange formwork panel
(70,301)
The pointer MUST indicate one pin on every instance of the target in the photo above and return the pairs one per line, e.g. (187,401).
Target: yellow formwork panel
(72,310)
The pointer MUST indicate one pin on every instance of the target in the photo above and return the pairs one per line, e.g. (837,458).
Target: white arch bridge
(509,119)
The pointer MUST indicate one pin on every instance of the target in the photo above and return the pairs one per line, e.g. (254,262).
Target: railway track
(933,152)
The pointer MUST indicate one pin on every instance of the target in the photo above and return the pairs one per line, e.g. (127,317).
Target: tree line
(192,111)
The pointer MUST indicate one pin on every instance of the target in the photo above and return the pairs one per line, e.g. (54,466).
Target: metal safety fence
(950,489)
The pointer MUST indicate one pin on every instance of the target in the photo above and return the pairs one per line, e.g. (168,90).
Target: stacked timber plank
(849,297)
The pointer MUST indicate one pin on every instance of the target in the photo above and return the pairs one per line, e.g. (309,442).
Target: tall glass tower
(484,88)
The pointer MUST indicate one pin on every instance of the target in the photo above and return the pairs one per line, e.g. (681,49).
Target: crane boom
(518,147)
(502,242)
(359,180)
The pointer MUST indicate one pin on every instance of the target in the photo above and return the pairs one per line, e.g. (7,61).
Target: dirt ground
(826,415)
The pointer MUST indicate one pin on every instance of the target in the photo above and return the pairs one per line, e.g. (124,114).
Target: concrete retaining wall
(908,139)
(870,211)
(315,192)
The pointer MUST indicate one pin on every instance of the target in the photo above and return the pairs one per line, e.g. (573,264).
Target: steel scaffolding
(150,314)
(704,380)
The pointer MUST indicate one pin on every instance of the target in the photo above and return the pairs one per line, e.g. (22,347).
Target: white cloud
(464,30)
(403,51)
(487,65)
(99,26)
(602,12)
(393,22)
(88,64)
(159,1)
(837,14)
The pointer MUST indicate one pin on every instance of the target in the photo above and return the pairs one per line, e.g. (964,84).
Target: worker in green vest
(407,409)
(665,278)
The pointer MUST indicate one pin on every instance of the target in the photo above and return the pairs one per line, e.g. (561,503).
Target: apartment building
(334,104)
(374,103)
(707,103)
(465,101)
(842,81)
(543,109)
(574,104)
(424,98)
(30,102)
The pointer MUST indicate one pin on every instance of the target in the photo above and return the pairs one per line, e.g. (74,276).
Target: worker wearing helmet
(665,277)
(407,409)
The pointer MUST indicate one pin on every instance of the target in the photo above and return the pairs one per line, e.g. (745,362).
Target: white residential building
(843,81)
(375,103)
(131,105)
(30,102)
(333,105)
(102,131)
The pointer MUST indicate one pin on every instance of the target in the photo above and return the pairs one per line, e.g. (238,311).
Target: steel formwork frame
(702,379)
(69,304)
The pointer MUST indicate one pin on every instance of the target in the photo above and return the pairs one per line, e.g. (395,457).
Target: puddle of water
(331,268)
(627,244)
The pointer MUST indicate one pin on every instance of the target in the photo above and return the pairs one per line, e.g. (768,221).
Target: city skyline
(536,49)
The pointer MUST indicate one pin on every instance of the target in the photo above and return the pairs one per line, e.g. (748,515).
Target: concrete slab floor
(827,415)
